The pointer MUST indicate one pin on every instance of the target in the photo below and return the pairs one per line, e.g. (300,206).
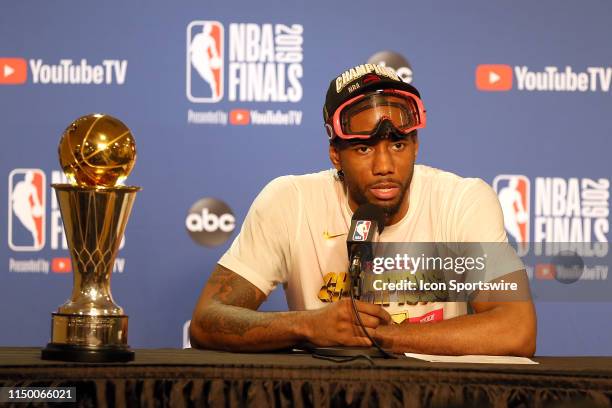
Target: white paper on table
(472,359)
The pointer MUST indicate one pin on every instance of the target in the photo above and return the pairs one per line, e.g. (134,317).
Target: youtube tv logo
(240,117)
(13,71)
(61,265)
(545,271)
(493,77)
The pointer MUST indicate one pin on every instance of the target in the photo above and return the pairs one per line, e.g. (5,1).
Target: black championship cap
(361,79)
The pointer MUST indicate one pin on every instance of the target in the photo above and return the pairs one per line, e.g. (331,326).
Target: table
(173,377)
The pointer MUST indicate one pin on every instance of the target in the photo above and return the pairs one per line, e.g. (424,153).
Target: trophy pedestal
(82,354)
(86,338)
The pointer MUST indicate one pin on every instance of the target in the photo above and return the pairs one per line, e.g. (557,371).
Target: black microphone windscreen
(371,212)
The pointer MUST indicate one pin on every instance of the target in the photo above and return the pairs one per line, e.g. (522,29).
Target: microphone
(367,224)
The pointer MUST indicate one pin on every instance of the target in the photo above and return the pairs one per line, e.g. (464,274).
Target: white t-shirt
(295,233)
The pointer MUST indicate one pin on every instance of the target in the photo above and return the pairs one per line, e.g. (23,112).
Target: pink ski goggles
(359,117)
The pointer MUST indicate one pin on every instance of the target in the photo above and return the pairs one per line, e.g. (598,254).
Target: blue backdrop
(518,119)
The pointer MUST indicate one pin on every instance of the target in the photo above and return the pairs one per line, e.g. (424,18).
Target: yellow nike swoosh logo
(327,235)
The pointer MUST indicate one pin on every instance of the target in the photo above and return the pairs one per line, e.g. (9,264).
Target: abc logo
(210,222)
(394,60)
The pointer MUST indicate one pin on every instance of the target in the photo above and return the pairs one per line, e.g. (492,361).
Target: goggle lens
(363,117)
(360,117)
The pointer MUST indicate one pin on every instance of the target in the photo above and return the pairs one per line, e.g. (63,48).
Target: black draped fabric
(195,378)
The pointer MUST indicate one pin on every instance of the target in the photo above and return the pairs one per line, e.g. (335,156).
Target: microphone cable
(384,352)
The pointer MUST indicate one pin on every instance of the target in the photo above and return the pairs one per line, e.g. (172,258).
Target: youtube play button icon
(240,117)
(493,77)
(13,71)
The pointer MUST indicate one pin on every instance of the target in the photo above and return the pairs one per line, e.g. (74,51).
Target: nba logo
(26,209)
(362,228)
(513,193)
(205,61)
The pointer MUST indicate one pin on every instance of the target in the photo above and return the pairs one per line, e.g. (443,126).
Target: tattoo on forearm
(230,290)
(233,289)
(237,324)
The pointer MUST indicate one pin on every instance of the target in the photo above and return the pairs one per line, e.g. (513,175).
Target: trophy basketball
(97,152)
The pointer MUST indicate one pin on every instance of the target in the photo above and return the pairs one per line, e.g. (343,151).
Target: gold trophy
(97,152)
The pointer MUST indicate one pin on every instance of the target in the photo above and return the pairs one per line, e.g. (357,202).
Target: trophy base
(89,331)
(88,339)
(82,354)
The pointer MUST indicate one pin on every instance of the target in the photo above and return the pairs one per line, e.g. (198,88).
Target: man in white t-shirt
(296,229)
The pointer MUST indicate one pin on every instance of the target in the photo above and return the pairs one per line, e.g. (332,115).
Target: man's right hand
(226,318)
(336,324)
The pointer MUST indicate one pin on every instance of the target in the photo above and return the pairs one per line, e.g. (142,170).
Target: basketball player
(295,235)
